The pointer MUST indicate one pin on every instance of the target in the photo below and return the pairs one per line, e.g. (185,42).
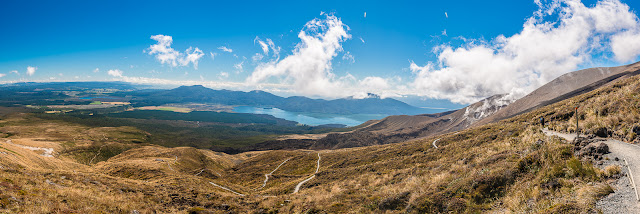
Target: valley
(62,162)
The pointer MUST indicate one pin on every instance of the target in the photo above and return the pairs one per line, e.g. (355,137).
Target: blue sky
(390,51)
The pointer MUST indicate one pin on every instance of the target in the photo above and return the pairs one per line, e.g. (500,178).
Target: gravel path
(308,179)
(266,176)
(224,188)
(624,199)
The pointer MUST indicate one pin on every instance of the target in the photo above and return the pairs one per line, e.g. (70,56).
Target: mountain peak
(363,96)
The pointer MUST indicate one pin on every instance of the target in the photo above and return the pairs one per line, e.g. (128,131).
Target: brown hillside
(565,87)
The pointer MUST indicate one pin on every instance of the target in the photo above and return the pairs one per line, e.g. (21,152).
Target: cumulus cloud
(308,68)
(115,73)
(225,49)
(31,70)
(626,46)
(375,82)
(541,51)
(167,55)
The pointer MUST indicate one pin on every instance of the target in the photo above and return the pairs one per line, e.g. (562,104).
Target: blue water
(312,119)
(89,98)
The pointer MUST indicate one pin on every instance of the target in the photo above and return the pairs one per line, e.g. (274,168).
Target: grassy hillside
(505,167)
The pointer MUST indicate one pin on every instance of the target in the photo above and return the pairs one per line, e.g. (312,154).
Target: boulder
(601,132)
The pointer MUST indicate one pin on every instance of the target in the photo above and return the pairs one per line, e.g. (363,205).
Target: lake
(312,119)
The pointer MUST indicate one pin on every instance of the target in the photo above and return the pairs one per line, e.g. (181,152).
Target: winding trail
(266,176)
(630,153)
(434,143)
(224,188)
(308,179)
(94,157)
(174,162)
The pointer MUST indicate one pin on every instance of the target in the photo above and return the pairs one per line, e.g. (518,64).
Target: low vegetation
(612,111)
(505,167)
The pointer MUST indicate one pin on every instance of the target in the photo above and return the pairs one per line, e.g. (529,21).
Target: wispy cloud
(267,45)
(239,67)
(96,70)
(225,49)
(15,72)
(2,75)
(167,55)
(348,57)
(257,57)
(541,51)
(223,75)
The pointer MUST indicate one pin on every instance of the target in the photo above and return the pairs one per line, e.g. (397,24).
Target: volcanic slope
(401,128)
(564,87)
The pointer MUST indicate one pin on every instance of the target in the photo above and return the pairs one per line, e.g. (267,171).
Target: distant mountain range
(373,104)
(401,128)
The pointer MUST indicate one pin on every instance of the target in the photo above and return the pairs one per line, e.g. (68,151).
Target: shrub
(612,170)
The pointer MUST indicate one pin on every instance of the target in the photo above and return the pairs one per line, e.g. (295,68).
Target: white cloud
(446,15)
(263,45)
(361,39)
(167,55)
(31,70)
(267,45)
(375,82)
(308,68)
(192,56)
(213,55)
(626,46)
(238,67)
(163,50)
(223,75)
(225,49)
(365,14)
(2,75)
(541,51)
(15,72)
(348,57)
(96,70)
(115,73)
(257,57)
